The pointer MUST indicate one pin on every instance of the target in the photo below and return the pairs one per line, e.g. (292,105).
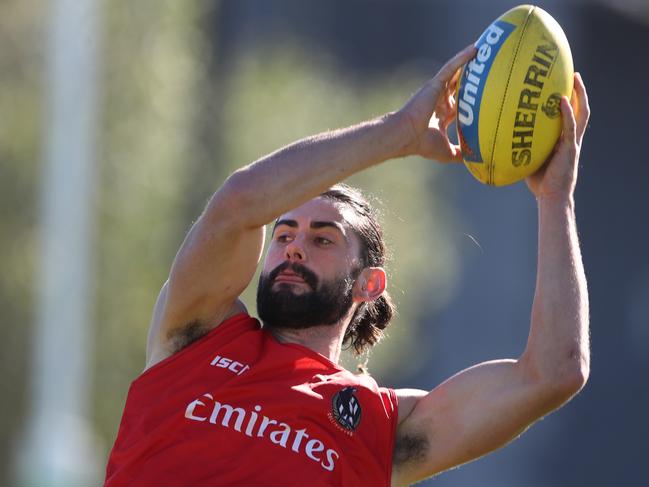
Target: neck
(327,340)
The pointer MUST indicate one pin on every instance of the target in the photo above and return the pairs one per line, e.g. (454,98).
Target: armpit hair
(409,448)
(186,335)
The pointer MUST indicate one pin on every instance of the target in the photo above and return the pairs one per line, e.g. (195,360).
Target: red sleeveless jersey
(239,408)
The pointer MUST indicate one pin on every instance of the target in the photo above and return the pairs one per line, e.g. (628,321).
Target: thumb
(441,148)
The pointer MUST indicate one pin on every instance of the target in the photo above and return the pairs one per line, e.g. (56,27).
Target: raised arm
(486,406)
(220,254)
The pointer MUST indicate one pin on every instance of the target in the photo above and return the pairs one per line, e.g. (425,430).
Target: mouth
(289,277)
(295,274)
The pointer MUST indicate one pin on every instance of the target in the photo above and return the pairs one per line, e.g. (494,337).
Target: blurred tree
(153,66)
(175,123)
(21,49)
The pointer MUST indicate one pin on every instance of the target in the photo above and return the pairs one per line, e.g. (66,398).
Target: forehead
(327,210)
(322,210)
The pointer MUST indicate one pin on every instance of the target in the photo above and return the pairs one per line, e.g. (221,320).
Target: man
(226,401)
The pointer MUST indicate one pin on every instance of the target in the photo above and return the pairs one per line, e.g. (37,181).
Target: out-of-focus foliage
(174,123)
(21,66)
(151,70)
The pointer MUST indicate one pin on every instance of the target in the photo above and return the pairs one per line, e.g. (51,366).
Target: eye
(323,241)
(283,238)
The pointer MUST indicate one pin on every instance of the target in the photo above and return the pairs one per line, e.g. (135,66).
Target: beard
(325,304)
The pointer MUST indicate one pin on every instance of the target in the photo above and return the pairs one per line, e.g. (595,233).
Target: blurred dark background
(187,93)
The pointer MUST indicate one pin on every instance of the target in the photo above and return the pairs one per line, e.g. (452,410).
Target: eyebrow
(314,225)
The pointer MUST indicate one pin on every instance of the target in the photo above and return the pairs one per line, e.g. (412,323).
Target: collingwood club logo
(345,410)
(552,107)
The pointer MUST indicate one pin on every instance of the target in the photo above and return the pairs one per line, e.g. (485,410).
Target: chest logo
(229,364)
(346,410)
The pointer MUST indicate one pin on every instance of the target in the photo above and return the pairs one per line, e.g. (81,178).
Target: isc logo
(229,364)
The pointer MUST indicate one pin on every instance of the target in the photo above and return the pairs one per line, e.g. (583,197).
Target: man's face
(310,268)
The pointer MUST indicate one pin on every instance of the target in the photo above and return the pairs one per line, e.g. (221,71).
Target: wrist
(407,138)
(556,201)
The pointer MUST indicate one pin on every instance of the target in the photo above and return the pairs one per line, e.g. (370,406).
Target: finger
(447,72)
(447,108)
(453,155)
(580,106)
(456,153)
(568,136)
(445,123)
(445,150)
(452,85)
(449,116)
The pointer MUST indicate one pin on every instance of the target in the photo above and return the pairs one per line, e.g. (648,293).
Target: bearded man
(227,399)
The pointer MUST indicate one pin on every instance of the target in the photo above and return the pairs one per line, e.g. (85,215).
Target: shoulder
(179,338)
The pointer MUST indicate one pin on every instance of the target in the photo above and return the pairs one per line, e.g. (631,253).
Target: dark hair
(371,318)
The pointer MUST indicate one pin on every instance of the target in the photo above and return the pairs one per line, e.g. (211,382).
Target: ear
(370,284)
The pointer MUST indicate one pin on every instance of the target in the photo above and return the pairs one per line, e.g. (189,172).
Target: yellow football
(508,96)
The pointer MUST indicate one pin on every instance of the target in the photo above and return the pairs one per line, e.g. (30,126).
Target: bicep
(472,413)
(213,266)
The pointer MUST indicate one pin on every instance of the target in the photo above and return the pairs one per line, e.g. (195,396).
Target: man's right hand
(431,110)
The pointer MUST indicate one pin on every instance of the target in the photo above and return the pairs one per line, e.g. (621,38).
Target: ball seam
(502,104)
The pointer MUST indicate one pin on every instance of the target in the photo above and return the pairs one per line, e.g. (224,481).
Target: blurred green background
(171,130)
(190,91)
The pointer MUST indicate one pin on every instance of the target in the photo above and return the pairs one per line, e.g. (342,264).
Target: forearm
(285,179)
(296,173)
(558,346)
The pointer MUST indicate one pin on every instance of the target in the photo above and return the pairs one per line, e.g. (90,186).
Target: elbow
(563,380)
(574,372)
(237,185)
(232,194)
(573,378)
(230,202)
(558,389)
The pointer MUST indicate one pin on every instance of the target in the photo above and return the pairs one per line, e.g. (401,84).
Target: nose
(295,251)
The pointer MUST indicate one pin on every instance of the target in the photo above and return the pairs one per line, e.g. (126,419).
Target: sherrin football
(508,96)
